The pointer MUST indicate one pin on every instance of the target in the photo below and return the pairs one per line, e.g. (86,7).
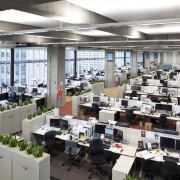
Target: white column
(56,75)
(133,64)
(109,68)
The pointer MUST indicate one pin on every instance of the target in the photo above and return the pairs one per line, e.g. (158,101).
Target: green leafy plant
(123,83)
(83,92)
(34,114)
(29,101)
(22,145)
(6,139)
(38,151)
(25,102)
(13,142)
(21,104)
(13,106)
(44,110)
(8,107)
(1,137)
(30,148)
(39,111)
(30,116)
(2,109)
(130,177)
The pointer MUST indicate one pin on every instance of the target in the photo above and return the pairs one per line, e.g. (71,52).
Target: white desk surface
(129,150)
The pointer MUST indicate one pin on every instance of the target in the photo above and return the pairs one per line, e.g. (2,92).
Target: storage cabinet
(5,164)
(105,115)
(18,165)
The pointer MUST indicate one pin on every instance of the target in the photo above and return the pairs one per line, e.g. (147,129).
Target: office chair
(170,170)
(73,151)
(22,97)
(97,157)
(123,124)
(162,121)
(130,115)
(133,94)
(49,141)
(13,97)
(96,109)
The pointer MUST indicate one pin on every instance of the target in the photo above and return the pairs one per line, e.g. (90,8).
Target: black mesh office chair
(130,115)
(22,97)
(97,157)
(133,94)
(96,109)
(13,97)
(162,121)
(170,170)
(49,141)
(73,150)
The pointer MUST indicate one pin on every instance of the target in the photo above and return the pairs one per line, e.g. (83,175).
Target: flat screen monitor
(54,123)
(21,89)
(159,106)
(124,102)
(177,144)
(35,90)
(109,133)
(168,143)
(118,135)
(96,99)
(133,88)
(100,128)
(165,90)
(167,107)
(63,124)
(139,88)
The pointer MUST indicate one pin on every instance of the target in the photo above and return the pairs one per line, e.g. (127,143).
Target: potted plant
(13,142)
(130,177)
(38,151)
(13,106)
(30,148)
(22,145)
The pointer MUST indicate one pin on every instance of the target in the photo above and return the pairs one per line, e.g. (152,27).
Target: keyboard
(170,158)
(106,144)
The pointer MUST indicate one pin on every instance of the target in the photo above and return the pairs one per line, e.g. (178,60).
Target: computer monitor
(167,107)
(21,89)
(96,99)
(63,124)
(138,88)
(124,102)
(109,133)
(118,135)
(40,85)
(164,90)
(133,88)
(100,128)
(177,144)
(159,106)
(55,123)
(35,90)
(168,143)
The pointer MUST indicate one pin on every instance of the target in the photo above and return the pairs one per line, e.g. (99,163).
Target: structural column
(162,59)
(146,58)
(133,64)
(156,57)
(12,68)
(109,68)
(56,75)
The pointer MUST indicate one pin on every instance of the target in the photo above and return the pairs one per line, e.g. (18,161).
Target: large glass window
(30,65)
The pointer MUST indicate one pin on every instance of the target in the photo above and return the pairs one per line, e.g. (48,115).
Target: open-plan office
(46,40)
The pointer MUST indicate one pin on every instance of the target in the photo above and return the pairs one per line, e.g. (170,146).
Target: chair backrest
(133,94)
(70,146)
(123,124)
(49,138)
(95,106)
(96,147)
(162,119)
(129,113)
